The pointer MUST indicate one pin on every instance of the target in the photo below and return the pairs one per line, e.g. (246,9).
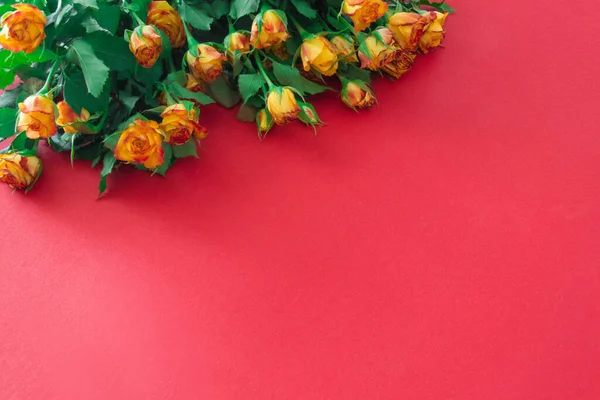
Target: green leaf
(304,8)
(87,3)
(91,25)
(41,55)
(199,19)
(94,70)
(353,72)
(250,84)
(10,98)
(6,78)
(179,91)
(222,92)
(113,51)
(111,140)
(240,8)
(8,118)
(10,60)
(108,163)
(162,169)
(187,149)
(290,76)
(128,100)
(77,96)
(108,17)
(219,8)
(21,142)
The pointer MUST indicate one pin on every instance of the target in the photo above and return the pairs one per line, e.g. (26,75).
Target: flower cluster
(125,80)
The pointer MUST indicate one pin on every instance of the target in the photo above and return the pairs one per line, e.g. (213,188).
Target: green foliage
(94,70)
(87,60)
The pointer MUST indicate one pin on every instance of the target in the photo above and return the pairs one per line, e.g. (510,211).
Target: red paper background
(442,246)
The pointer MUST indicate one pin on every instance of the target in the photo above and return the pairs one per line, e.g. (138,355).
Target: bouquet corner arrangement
(122,82)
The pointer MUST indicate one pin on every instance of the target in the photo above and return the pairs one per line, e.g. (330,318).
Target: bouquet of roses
(122,81)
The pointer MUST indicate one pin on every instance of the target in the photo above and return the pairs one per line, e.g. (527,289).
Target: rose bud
(36,117)
(194,85)
(308,115)
(401,64)
(268,29)
(70,121)
(264,123)
(345,48)
(179,124)
(319,54)
(381,51)
(17,171)
(23,29)
(358,95)
(165,18)
(364,12)
(433,33)
(237,42)
(408,28)
(146,44)
(208,65)
(141,142)
(282,105)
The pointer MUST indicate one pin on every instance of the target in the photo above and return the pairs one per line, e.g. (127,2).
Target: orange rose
(268,29)
(208,65)
(433,33)
(165,18)
(37,117)
(17,171)
(146,44)
(318,53)
(237,41)
(364,12)
(23,30)
(70,121)
(179,125)
(380,45)
(264,123)
(345,48)
(401,64)
(408,28)
(194,85)
(358,95)
(282,105)
(141,143)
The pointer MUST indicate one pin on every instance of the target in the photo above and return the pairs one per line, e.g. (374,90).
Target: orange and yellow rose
(141,142)
(165,18)
(37,117)
(282,105)
(402,63)
(319,54)
(357,95)
(380,45)
(345,48)
(179,125)
(408,28)
(208,65)
(264,122)
(268,29)
(18,171)
(433,33)
(364,12)
(70,121)
(23,29)
(146,45)
(237,42)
